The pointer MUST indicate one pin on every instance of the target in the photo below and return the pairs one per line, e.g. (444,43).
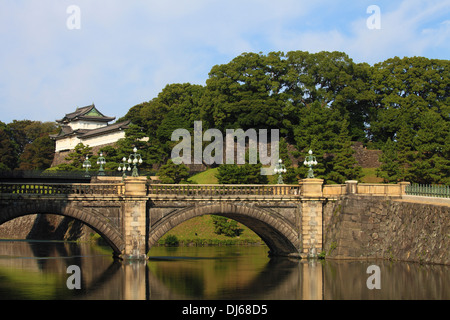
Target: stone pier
(134,218)
(311,217)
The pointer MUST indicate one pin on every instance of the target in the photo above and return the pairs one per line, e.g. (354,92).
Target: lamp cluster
(87,165)
(280,169)
(133,160)
(310,161)
(101,161)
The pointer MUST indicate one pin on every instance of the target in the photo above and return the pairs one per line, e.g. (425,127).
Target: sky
(57,55)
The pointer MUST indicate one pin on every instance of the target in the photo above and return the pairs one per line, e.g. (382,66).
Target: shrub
(171,240)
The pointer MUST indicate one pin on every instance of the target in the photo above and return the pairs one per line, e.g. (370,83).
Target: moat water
(36,270)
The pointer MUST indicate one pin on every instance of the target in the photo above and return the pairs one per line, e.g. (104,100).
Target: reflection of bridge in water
(136,281)
(278,278)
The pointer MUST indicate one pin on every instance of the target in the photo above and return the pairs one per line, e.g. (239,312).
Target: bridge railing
(373,189)
(219,190)
(61,188)
(428,190)
(379,189)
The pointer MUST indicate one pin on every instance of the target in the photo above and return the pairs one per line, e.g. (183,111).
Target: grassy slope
(202,228)
(369,176)
(205,177)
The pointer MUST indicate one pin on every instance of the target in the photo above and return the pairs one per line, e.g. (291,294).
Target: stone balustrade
(222,190)
(61,188)
(305,188)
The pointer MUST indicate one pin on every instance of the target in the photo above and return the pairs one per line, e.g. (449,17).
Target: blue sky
(126,52)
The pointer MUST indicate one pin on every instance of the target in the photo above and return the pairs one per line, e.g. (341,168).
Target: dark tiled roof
(86,113)
(105,129)
(67,131)
(84,133)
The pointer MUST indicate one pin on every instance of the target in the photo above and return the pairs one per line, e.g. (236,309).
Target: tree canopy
(321,101)
(26,145)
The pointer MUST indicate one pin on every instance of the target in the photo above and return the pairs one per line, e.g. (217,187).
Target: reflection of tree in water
(55,227)
(189,282)
(179,278)
(38,270)
(44,250)
(276,276)
(170,281)
(71,253)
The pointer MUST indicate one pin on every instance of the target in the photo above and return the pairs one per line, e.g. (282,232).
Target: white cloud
(401,32)
(127,51)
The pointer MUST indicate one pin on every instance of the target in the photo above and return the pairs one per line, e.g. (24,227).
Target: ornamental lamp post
(135,158)
(123,167)
(101,161)
(310,161)
(280,169)
(87,166)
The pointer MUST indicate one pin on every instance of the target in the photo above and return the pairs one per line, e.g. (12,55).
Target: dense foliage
(225,226)
(26,145)
(320,101)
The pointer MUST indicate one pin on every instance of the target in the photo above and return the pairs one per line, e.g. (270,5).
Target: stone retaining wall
(388,228)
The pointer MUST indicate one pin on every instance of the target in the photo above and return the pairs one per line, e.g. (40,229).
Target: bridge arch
(95,222)
(278,234)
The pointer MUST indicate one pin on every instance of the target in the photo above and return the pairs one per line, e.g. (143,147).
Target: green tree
(135,137)
(26,145)
(245,93)
(412,109)
(173,173)
(177,106)
(390,166)
(432,141)
(75,159)
(333,79)
(225,226)
(8,149)
(290,177)
(317,129)
(24,132)
(408,86)
(344,165)
(240,174)
(37,155)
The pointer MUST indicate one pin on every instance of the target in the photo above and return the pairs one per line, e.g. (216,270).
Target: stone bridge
(133,215)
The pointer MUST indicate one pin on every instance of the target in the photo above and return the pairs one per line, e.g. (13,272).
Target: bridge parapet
(223,191)
(61,189)
(306,188)
(372,189)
